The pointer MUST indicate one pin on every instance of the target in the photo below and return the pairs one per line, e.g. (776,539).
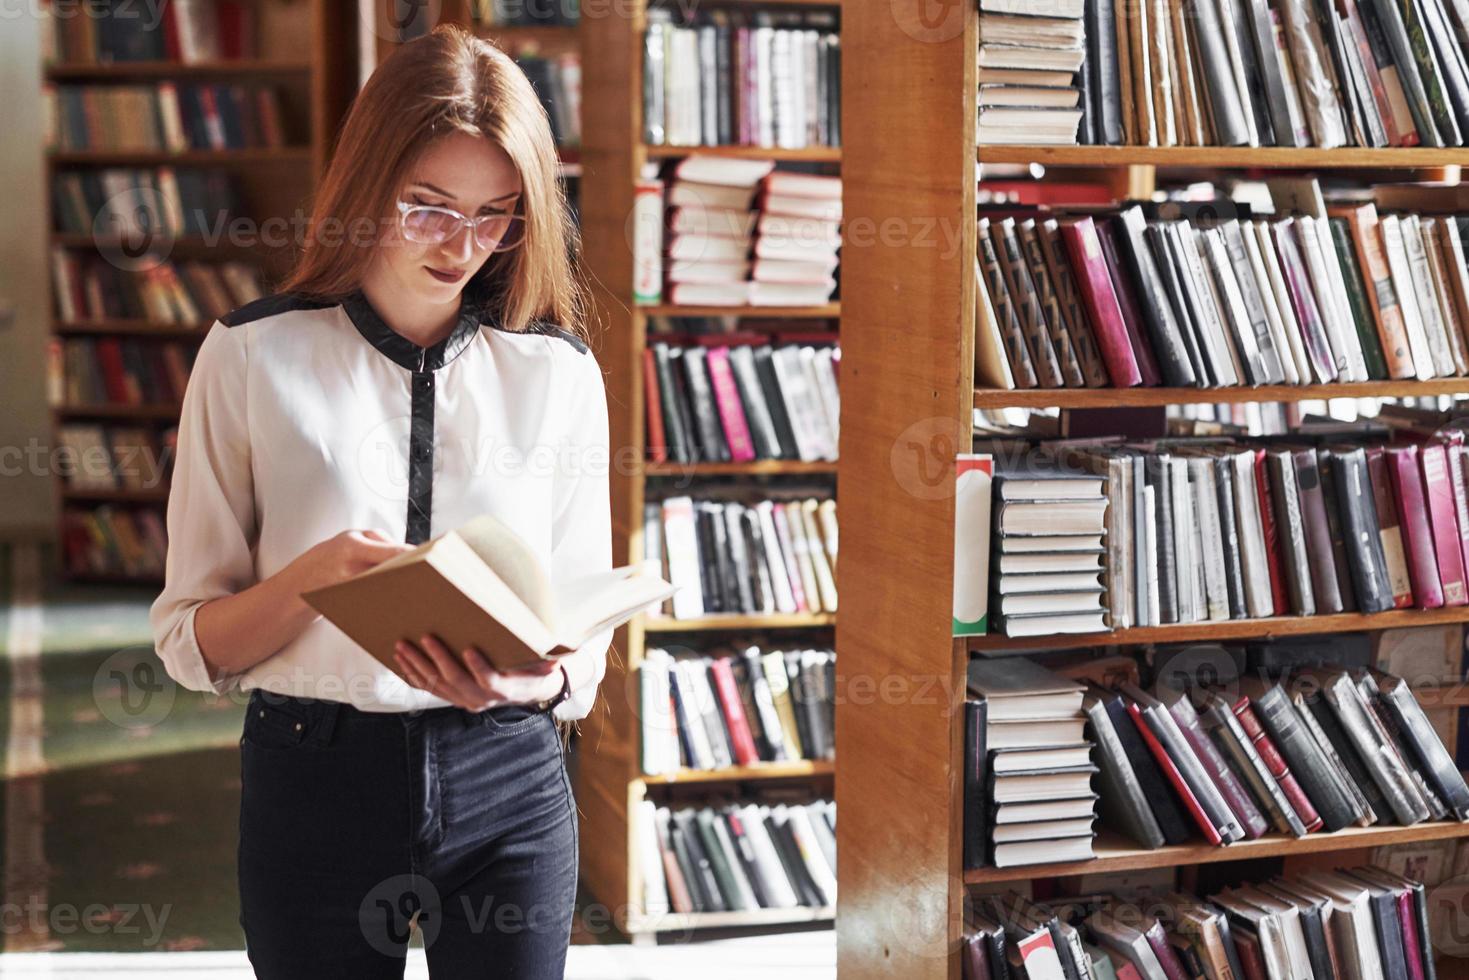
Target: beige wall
(26,504)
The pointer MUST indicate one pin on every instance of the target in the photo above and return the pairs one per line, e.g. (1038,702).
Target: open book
(480,585)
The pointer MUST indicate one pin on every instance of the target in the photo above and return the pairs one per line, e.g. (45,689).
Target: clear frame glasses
(427,224)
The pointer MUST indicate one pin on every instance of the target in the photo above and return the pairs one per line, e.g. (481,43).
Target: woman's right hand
(341,556)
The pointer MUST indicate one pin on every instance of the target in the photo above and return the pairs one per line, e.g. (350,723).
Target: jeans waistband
(325,714)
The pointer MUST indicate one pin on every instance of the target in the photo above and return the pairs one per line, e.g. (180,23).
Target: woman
(405,379)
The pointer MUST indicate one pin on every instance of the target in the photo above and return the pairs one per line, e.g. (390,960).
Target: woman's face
(471,175)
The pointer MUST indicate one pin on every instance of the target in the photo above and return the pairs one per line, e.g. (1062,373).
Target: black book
(738,560)
(728,574)
(683,717)
(1101,54)
(709,560)
(1254,79)
(770,387)
(1361,535)
(724,112)
(1388,929)
(745,852)
(1450,59)
(1334,526)
(701,399)
(1168,262)
(1124,803)
(1262,33)
(1390,22)
(680,440)
(1316,943)
(1234,573)
(1172,821)
(1063,949)
(741,670)
(1423,746)
(976,772)
(1168,344)
(724,875)
(799,695)
(1086,132)
(1157,474)
(700,874)
(757,412)
(1346,751)
(790,857)
(1306,760)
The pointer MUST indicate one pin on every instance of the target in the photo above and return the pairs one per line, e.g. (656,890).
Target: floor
(119,796)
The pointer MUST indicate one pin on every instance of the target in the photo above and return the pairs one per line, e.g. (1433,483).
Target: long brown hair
(447,81)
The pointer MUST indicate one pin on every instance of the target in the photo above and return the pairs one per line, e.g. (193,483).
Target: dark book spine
(1357,298)
(1361,532)
(1156,468)
(1167,337)
(1101,36)
(1127,302)
(976,772)
(1332,499)
(1172,820)
(1234,576)
(1307,763)
(1324,585)
(1429,72)
(1390,22)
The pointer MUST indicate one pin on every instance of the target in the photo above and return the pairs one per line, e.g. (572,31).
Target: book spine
(1132,317)
(1276,763)
(1165,763)
(1361,531)
(731,412)
(1439,493)
(1217,770)
(1095,285)
(1273,552)
(1391,532)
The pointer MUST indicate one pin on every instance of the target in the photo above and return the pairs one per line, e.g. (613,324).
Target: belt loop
(327,720)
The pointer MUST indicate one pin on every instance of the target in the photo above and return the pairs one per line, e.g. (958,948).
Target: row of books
(88,287)
(758,558)
(741,709)
(134,203)
(1368,73)
(187,31)
(525,13)
(1124,299)
(737,232)
(727,78)
(1029,91)
(167,116)
(740,401)
(558,83)
(113,541)
(1028,774)
(115,457)
(1365,921)
(82,371)
(732,858)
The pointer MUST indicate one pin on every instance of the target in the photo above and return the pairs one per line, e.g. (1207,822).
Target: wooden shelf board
(824,312)
(558,36)
(684,922)
(739,774)
(164,411)
(759,467)
(1116,853)
(103,495)
(183,244)
(175,69)
(810,154)
(1115,397)
(114,578)
(740,622)
(145,158)
(1222,156)
(1233,629)
(148,327)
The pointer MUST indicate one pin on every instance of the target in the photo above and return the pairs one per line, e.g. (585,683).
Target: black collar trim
(402,351)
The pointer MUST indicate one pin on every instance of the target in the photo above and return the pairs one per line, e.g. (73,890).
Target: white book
(1215,336)
(797,389)
(1427,297)
(681,540)
(824,369)
(1184,559)
(656,716)
(826,584)
(812,856)
(1342,338)
(1424,361)
(1337,287)
(780,582)
(1250,528)
(1295,343)
(1273,318)
(1233,306)
(1206,499)
(801,549)
(1228,20)
(1150,554)
(739,555)
(700,749)
(650,860)
(778,891)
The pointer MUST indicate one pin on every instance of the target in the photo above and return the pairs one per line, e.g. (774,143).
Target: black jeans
(352,821)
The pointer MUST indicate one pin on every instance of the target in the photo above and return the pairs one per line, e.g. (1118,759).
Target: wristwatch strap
(561,695)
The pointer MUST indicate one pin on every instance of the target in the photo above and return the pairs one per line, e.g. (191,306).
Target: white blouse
(302,420)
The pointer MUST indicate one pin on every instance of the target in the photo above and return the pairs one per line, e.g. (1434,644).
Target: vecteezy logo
(131,690)
(922,457)
(131,229)
(403,20)
(931,21)
(386,915)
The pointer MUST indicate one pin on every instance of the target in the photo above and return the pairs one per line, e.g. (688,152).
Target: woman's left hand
(468,681)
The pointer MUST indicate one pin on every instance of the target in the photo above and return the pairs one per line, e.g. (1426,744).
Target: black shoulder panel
(550,330)
(271,306)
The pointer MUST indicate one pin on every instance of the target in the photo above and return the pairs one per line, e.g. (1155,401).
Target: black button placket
(421,457)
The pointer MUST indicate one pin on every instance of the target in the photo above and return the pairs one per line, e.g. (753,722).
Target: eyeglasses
(427,224)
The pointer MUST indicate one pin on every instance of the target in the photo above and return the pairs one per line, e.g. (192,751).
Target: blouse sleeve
(581,532)
(211,507)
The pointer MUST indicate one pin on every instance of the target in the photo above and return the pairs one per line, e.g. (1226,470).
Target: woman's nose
(461,246)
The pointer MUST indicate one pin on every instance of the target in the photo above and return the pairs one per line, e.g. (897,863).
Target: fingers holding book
(467,680)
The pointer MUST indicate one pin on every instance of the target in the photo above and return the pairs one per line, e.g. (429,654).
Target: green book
(1357,298)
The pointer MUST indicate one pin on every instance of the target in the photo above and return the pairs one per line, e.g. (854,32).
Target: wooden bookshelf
(1215,157)
(1134,397)
(808,154)
(308,56)
(609,781)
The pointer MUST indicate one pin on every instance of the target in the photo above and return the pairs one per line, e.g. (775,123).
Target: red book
(1275,762)
(1167,956)
(1391,529)
(1095,284)
(1128,972)
(1439,492)
(740,737)
(1407,485)
(1454,456)
(731,409)
(114,375)
(1407,919)
(1132,315)
(1251,960)
(1273,552)
(657,438)
(1165,762)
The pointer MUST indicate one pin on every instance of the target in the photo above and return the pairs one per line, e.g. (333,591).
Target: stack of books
(728,78)
(733,858)
(1029,55)
(1305,531)
(97,457)
(187,293)
(711,222)
(1322,750)
(748,558)
(125,542)
(737,399)
(796,240)
(1367,73)
(1046,574)
(82,372)
(188,31)
(1027,768)
(1174,295)
(165,116)
(134,204)
(1358,922)
(740,709)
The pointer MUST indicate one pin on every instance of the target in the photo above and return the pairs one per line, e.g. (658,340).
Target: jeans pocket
(510,719)
(271,725)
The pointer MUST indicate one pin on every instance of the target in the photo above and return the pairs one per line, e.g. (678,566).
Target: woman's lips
(443,275)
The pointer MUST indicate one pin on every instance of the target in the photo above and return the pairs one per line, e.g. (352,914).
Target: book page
(505,554)
(596,602)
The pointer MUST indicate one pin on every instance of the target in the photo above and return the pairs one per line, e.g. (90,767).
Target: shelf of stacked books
(1213,157)
(799,769)
(166,142)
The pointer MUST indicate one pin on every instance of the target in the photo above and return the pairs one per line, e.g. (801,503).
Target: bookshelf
(306,53)
(609,780)
(910,158)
